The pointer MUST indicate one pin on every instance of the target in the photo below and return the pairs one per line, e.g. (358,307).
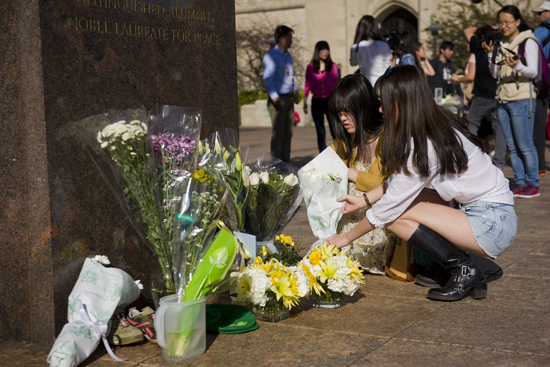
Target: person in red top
(321,78)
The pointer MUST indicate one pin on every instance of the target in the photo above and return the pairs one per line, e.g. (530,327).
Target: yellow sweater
(366,181)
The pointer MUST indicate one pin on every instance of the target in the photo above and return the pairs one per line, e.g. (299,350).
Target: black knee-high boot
(465,278)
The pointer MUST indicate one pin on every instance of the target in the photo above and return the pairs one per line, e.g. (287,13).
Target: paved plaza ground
(387,323)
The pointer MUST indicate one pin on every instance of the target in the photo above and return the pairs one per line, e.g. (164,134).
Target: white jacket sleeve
(532,58)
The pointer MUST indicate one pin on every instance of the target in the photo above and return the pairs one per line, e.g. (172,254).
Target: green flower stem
(137,173)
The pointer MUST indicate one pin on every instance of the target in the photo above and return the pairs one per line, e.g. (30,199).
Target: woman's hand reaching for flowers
(338,241)
(353,203)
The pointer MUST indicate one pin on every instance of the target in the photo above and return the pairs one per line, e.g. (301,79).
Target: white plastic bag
(323,181)
(98,293)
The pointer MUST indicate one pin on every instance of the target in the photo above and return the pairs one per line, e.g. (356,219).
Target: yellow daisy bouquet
(335,275)
(272,288)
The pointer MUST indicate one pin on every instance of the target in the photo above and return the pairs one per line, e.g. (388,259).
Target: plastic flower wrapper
(199,198)
(271,285)
(116,142)
(323,181)
(273,198)
(174,134)
(331,271)
(98,293)
(229,158)
(199,264)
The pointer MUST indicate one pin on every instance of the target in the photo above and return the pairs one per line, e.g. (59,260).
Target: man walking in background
(279,85)
(542,13)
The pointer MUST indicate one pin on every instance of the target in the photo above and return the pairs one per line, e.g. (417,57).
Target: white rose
(254,179)
(291,180)
(264,176)
(125,136)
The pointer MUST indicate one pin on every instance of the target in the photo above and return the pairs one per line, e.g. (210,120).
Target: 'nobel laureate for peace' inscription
(145,31)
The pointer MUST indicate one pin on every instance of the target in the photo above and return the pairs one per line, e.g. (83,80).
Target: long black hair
(367,28)
(412,116)
(354,95)
(514,11)
(316,60)
(409,47)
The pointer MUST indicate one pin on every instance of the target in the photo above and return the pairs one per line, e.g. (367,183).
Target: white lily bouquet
(271,288)
(274,195)
(98,293)
(336,275)
(323,181)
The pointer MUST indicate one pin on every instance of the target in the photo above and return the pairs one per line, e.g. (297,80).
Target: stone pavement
(387,323)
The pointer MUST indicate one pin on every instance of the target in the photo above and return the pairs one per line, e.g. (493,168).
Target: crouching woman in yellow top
(358,124)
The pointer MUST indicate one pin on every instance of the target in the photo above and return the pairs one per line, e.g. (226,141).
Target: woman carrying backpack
(516,97)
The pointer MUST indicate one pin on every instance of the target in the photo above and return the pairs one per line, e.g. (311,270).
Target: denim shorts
(494,225)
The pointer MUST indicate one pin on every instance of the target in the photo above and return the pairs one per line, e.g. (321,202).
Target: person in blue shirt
(542,13)
(279,84)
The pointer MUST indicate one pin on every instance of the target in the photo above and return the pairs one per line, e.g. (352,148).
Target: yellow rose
(315,258)
(264,251)
(292,244)
(288,240)
(276,238)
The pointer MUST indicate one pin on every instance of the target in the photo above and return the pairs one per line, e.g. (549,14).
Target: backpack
(541,83)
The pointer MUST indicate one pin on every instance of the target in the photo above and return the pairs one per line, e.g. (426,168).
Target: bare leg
(450,223)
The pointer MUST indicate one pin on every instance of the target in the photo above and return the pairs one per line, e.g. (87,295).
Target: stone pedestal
(60,62)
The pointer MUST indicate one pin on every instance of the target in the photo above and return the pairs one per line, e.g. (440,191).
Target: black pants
(539,131)
(319,109)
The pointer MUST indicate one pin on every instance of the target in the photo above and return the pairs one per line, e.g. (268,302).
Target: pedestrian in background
(321,78)
(370,52)
(485,85)
(444,71)
(515,96)
(279,85)
(542,13)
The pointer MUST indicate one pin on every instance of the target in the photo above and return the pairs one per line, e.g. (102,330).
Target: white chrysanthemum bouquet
(272,288)
(335,274)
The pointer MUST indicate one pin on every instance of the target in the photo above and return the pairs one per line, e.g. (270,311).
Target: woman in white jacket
(370,51)
(427,147)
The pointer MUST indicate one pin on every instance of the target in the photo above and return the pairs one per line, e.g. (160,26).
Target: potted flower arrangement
(336,274)
(271,288)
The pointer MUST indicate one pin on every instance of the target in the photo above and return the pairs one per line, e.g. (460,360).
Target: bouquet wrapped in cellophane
(274,195)
(140,156)
(200,198)
(323,181)
(199,263)
(334,271)
(174,134)
(229,158)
